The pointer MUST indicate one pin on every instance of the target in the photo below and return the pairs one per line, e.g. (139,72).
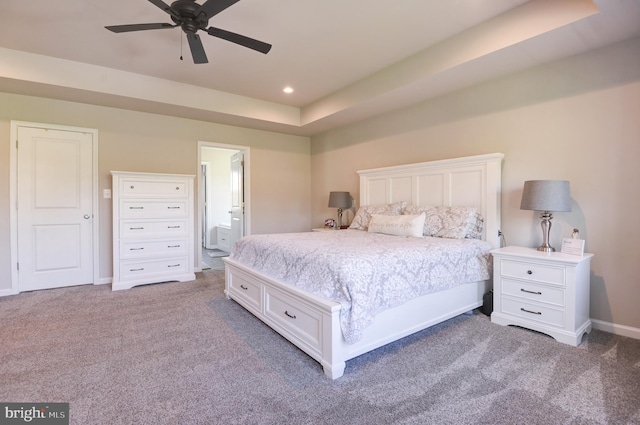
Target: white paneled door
(55,208)
(237,197)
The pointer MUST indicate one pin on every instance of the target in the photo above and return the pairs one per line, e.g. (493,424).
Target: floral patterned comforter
(365,272)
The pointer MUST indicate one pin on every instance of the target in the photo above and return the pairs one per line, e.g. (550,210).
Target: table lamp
(340,200)
(546,196)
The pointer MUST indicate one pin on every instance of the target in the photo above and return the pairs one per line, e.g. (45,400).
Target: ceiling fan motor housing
(187,19)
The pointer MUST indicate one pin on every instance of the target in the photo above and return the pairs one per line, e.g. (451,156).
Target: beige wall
(577,119)
(133,141)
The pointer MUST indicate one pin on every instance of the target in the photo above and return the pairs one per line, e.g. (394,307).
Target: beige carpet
(181,353)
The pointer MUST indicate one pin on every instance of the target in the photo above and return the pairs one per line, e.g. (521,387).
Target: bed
(315,320)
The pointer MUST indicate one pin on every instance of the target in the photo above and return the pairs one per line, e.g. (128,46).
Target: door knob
(87,216)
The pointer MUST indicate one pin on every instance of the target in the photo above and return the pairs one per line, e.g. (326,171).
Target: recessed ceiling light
(288,90)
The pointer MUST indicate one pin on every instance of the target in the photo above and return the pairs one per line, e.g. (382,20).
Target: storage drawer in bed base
(318,332)
(298,320)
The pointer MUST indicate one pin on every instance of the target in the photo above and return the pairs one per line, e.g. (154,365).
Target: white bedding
(365,272)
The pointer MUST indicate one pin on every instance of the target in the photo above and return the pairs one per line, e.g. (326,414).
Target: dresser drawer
(245,291)
(153,248)
(131,208)
(533,292)
(534,312)
(149,268)
(533,271)
(150,188)
(154,229)
(298,320)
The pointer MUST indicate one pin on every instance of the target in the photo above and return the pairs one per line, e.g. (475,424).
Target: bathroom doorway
(223,204)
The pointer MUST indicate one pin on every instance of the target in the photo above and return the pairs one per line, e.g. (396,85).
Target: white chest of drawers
(153,230)
(545,292)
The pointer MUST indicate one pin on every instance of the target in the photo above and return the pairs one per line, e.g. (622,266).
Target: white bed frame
(312,323)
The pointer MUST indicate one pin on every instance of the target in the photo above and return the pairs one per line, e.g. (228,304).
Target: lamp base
(546,248)
(546,217)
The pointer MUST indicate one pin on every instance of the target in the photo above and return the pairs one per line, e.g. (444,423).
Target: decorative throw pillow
(397,225)
(361,220)
(450,222)
(460,223)
(432,221)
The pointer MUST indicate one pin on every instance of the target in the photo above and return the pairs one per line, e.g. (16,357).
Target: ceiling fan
(192,17)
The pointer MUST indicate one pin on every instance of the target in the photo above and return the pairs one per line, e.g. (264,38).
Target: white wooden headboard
(468,181)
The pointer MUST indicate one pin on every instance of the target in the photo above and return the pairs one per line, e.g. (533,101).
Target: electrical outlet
(106,193)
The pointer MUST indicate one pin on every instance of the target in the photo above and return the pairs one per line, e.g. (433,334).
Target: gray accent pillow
(363,216)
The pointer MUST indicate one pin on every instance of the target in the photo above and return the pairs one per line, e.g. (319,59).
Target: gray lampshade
(546,195)
(340,199)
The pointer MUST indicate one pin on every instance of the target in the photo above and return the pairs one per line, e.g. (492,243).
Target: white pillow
(397,225)
(361,220)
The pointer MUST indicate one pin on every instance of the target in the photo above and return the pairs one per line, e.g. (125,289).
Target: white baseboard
(104,281)
(616,329)
(7,292)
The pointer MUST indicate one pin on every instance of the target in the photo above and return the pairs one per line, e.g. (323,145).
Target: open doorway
(223,201)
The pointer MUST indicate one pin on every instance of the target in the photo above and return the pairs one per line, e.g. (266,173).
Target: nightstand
(545,292)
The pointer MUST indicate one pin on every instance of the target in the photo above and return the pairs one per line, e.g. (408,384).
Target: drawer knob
(293,316)
(529,272)
(529,311)
(244,287)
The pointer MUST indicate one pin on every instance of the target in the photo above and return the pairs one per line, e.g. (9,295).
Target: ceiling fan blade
(164,6)
(197,50)
(138,27)
(242,40)
(213,7)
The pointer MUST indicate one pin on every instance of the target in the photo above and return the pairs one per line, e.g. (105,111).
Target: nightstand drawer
(533,272)
(533,292)
(535,312)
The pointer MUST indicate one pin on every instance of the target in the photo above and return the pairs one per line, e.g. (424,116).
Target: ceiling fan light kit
(192,17)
